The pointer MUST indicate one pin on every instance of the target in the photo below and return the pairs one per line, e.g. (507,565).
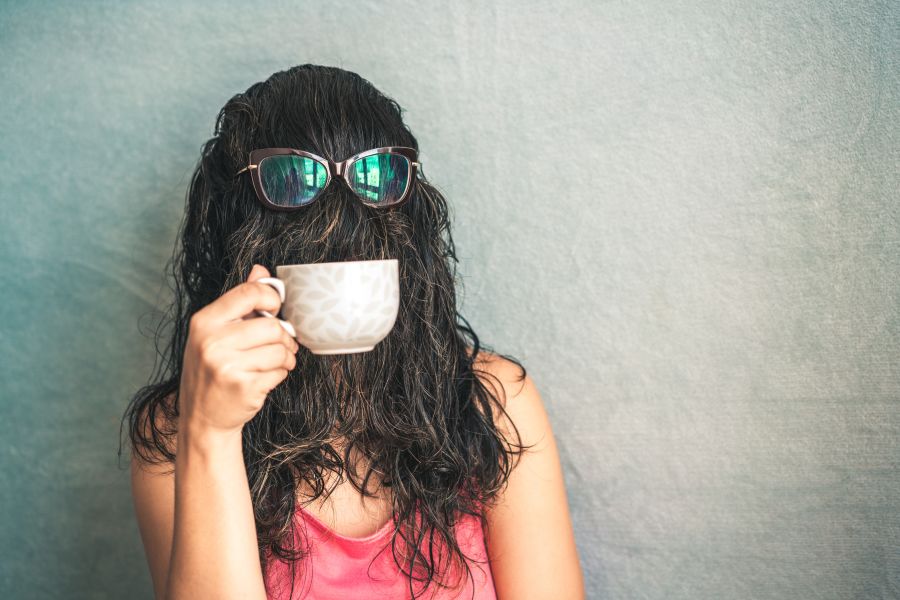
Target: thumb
(258,272)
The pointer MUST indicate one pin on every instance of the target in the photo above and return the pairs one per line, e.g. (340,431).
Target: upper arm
(153,493)
(529,534)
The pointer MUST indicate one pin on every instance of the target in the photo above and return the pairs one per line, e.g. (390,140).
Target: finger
(241,301)
(268,380)
(268,357)
(257,272)
(250,333)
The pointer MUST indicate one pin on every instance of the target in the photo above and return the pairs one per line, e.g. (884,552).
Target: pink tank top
(337,567)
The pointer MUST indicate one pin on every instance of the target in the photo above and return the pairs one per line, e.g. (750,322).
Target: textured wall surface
(681,216)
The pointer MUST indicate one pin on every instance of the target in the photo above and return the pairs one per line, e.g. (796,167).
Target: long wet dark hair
(417,407)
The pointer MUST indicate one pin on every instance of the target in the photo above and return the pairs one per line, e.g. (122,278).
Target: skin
(197,523)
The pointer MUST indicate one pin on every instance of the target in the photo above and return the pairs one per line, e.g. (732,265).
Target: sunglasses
(288,179)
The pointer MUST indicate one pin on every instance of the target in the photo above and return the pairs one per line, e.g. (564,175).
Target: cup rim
(340,262)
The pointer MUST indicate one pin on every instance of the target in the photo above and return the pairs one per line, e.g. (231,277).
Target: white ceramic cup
(338,307)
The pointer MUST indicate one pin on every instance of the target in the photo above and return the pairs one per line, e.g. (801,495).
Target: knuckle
(206,345)
(248,290)
(228,371)
(204,350)
(195,323)
(275,327)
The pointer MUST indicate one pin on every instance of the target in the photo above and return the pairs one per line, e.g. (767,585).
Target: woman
(424,468)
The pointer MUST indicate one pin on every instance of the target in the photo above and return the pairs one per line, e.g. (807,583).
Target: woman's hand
(233,358)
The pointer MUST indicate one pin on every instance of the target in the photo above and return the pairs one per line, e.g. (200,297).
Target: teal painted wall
(682,216)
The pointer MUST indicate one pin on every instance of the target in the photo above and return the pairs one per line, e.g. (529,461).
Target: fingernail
(288,327)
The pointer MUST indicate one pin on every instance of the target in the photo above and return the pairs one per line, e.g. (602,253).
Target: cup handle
(279,287)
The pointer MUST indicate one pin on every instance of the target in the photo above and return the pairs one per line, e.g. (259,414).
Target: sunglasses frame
(333,169)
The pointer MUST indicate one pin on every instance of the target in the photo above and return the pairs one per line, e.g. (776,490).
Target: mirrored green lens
(291,180)
(380,178)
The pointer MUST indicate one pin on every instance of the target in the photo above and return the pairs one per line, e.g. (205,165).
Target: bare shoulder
(529,534)
(508,372)
(518,394)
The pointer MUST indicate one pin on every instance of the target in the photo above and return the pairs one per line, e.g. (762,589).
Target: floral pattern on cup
(341,307)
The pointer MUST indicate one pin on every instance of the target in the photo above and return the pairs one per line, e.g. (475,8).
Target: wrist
(196,436)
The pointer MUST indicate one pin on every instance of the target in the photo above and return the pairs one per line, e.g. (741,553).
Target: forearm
(214,549)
